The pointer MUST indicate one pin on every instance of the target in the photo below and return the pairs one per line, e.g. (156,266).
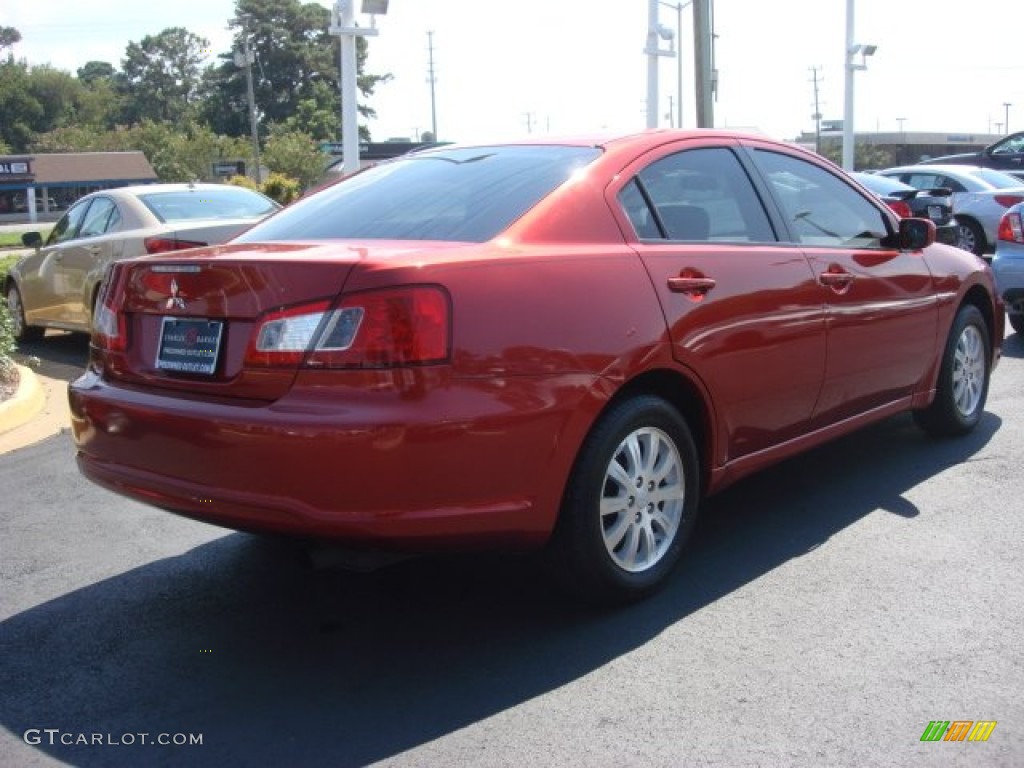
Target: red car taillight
(901,207)
(376,329)
(1011,228)
(167,244)
(109,327)
(1008,200)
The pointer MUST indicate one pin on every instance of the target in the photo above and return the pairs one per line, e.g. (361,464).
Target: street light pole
(655,32)
(852,49)
(343,24)
(1006,124)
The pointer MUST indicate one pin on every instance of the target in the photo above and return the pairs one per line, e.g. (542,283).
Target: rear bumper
(463,466)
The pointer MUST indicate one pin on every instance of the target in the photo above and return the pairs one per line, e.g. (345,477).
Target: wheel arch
(687,397)
(979,229)
(980,298)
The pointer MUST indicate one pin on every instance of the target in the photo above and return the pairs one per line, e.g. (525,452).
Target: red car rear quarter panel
(549,331)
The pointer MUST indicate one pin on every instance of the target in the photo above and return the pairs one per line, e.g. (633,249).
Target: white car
(980,197)
(1008,265)
(56,287)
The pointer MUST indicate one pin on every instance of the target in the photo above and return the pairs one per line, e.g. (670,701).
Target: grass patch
(13,239)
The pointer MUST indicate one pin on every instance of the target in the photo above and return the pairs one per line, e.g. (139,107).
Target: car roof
(139,189)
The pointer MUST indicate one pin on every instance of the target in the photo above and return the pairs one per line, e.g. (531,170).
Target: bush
(244,181)
(282,188)
(8,371)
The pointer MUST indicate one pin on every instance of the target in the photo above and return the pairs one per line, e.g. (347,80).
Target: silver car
(1008,265)
(56,286)
(980,197)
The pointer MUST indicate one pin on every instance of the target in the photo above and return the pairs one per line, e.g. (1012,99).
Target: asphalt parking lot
(828,611)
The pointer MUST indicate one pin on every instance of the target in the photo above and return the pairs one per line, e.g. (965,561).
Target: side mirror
(32,240)
(916,234)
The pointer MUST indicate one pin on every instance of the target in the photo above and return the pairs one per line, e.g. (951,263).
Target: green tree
(8,37)
(20,110)
(176,154)
(296,71)
(294,154)
(94,71)
(162,75)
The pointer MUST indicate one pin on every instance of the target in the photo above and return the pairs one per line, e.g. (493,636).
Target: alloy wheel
(642,500)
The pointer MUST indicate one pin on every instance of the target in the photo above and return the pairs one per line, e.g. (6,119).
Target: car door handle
(691,285)
(93,249)
(835,279)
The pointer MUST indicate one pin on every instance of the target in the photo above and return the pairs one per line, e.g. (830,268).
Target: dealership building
(40,187)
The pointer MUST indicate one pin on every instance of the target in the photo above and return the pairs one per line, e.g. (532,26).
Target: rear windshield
(998,179)
(467,194)
(222,203)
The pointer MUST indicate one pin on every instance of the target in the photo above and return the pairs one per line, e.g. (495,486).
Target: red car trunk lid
(189,319)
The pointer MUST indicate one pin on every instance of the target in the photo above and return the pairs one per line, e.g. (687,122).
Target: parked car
(554,344)
(1008,265)
(980,197)
(1005,155)
(56,287)
(908,201)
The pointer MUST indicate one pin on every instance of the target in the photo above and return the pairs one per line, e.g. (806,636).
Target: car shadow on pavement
(1013,346)
(58,355)
(277,663)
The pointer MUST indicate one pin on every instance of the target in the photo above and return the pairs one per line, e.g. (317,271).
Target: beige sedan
(56,287)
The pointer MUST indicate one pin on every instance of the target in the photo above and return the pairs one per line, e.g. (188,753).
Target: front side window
(696,195)
(470,194)
(819,208)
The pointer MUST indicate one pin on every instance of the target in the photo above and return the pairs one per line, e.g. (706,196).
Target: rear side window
(696,195)
(222,203)
(467,194)
(99,218)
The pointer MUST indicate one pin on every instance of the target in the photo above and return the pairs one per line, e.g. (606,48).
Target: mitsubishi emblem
(174,301)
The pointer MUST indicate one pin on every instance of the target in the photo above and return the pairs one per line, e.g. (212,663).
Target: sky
(505,69)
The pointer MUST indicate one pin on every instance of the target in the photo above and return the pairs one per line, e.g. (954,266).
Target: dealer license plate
(189,345)
(935,212)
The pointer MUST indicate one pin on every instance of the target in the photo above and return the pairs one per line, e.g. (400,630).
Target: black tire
(1016,322)
(963,378)
(972,236)
(640,464)
(16,309)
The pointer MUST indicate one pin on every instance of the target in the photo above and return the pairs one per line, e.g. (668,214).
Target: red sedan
(549,343)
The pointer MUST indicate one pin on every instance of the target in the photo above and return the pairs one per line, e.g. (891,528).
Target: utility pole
(1006,125)
(432,79)
(528,117)
(703,55)
(817,111)
(245,58)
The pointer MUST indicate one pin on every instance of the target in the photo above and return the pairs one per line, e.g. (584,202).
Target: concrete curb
(27,402)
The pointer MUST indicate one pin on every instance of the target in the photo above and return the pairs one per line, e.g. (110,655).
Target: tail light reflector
(1011,228)
(109,326)
(901,207)
(375,329)
(1007,200)
(167,244)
